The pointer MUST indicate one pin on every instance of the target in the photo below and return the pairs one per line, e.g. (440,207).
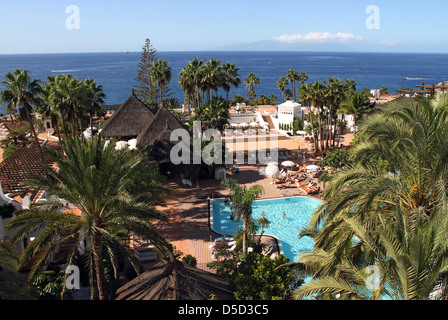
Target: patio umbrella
(254,124)
(132,144)
(312,168)
(272,171)
(121,145)
(288,164)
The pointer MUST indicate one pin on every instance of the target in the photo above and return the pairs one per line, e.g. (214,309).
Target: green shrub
(190,260)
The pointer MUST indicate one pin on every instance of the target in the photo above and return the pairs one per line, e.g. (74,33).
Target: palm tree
(263,223)
(333,92)
(186,79)
(231,75)
(161,74)
(303,77)
(212,77)
(69,91)
(410,260)
(251,81)
(241,206)
(292,77)
(282,83)
(105,185)
(11,108)
(13,285)
(316,93)
(356,104)
(49,106)
(305,94)
(23,93)
(213,115)
(95,97)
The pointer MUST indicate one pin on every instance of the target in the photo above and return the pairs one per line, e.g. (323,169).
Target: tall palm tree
(23,93)
(292,77)
(212,77)
(251,81)
(282,83)
(303,77)
(305,94)
(161,74)
(95,97)
(71,93)
(317,92)
(186,80)
(49,105)
(333,92)
(104,185)
(241,206)
(231,78)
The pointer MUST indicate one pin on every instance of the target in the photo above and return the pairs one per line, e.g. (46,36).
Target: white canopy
(254,124)
(132,144)
(288,164)
(272,171)
(312,168)
(121,145)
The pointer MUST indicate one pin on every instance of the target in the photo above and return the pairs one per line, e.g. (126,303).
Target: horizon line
(211,50)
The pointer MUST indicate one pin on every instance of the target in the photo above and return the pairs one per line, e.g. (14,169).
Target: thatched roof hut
(129,120)
(159,283)
(155,136)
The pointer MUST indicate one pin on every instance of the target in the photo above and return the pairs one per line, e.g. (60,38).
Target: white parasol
(312,168)
(254,124)
(121,145)
(272,171)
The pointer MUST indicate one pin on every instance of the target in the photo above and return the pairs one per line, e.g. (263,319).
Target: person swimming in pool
(284,215)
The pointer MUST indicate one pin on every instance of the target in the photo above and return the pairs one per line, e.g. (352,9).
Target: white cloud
(389,42)
(318,37)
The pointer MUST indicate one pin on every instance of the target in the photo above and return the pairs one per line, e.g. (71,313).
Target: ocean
(117,71)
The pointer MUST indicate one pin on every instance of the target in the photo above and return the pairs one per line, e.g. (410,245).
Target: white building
(287,112)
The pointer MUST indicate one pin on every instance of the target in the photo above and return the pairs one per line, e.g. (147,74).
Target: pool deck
(187,207)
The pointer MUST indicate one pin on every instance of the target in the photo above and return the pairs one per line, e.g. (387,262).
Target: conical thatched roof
(158,283)
(129,120)
(155,136)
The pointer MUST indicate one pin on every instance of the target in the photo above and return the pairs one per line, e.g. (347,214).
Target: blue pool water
(298,211)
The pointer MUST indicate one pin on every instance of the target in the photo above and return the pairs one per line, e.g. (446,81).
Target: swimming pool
(298,211)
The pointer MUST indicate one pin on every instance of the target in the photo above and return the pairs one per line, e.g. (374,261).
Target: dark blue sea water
(117,71)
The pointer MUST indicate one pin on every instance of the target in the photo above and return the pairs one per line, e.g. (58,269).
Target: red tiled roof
(16,168)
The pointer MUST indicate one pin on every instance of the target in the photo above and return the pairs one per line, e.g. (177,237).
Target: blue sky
(29,26)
